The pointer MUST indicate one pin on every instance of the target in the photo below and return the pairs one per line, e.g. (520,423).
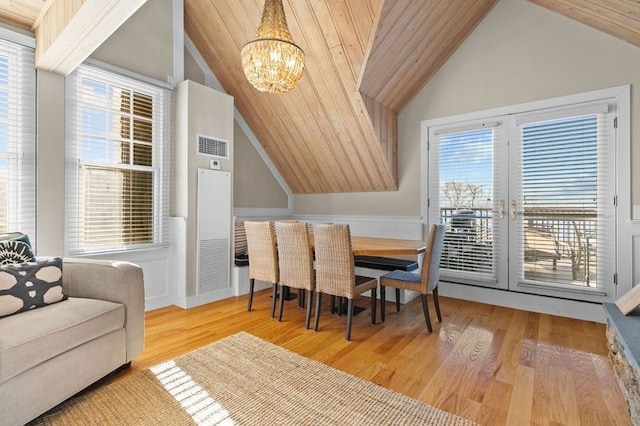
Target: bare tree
(473,192)
(455,193)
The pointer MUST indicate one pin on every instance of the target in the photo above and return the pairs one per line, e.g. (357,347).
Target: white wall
(50,164)
(254,186)
(143,44)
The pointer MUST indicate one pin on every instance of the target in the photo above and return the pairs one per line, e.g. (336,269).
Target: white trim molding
(262,213)
(14,35)
(178,43)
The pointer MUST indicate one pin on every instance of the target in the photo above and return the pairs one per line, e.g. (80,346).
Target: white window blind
(567,186)
(118,162)
(17,139)
(463,176)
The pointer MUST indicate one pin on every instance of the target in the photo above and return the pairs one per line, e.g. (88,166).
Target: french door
(528,200)
(468,189)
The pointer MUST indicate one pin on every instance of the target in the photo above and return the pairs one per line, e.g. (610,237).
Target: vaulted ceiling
(365,60)
(336,132)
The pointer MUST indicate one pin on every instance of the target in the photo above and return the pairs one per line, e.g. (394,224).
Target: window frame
(159,169)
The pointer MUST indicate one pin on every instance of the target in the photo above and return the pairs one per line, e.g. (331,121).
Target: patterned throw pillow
(16,236)
(26,286)
(15,251)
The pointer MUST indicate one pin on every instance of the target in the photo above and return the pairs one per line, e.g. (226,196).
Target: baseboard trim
(203,299)
(587,311)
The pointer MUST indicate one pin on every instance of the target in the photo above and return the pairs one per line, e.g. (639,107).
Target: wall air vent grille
(213,147)
(213,265)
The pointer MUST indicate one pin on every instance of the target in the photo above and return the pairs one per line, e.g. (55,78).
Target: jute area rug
(243,380)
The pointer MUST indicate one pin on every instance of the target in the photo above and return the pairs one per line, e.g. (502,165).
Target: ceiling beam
(70,30)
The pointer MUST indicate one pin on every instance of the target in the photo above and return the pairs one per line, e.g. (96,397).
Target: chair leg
(397,300)
(301,297)
(425,310)
(281,303)
(251,285)
(383,299)
(318,305)
(349,318)
(437,303)
(274,295)
(374,294)
(333,304)
(307,318)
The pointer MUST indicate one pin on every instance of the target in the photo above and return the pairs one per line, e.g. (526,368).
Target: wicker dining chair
(424,283)
(295,261)
(335,271)
(263,258)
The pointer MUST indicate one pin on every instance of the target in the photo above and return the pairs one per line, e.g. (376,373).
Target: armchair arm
(114,281)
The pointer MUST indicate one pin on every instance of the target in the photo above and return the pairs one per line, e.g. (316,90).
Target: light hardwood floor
(489,364)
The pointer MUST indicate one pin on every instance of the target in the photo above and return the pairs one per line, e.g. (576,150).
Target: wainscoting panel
(155,264)
(375,226)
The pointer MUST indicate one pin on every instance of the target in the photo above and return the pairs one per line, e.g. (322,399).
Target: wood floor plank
(521,396)
(492,365)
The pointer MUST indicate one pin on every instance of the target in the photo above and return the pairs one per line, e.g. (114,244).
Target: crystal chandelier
(273,62)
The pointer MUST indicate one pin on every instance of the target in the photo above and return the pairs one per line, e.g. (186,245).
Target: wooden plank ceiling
(20,13)
(365,60)
(336,132)
(619,18)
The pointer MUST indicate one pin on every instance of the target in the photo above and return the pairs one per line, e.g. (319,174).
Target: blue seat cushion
(402,276)
(385,263)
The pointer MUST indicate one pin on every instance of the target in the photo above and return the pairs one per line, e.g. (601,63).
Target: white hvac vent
(213,232)
(213,147)
(213,265)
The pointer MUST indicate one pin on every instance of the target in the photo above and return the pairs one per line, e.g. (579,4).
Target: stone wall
(627,373)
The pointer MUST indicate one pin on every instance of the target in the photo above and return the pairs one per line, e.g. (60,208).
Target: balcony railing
(558,244)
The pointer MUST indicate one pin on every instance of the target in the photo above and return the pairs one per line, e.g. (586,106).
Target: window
(17,139)
(117,192)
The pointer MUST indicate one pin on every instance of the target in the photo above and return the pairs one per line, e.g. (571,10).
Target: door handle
(513,209)
(501,211)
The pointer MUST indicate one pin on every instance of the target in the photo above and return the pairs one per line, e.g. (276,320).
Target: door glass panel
(560,195)
(466,170)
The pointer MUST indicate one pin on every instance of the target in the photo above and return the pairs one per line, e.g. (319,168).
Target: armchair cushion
(33,337)
(403,276)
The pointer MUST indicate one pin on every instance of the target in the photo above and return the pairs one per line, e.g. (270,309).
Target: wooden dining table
(377,246)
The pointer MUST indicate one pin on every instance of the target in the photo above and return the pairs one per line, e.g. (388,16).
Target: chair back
(432,255)
(295,255)
(335,269)
(263,255)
